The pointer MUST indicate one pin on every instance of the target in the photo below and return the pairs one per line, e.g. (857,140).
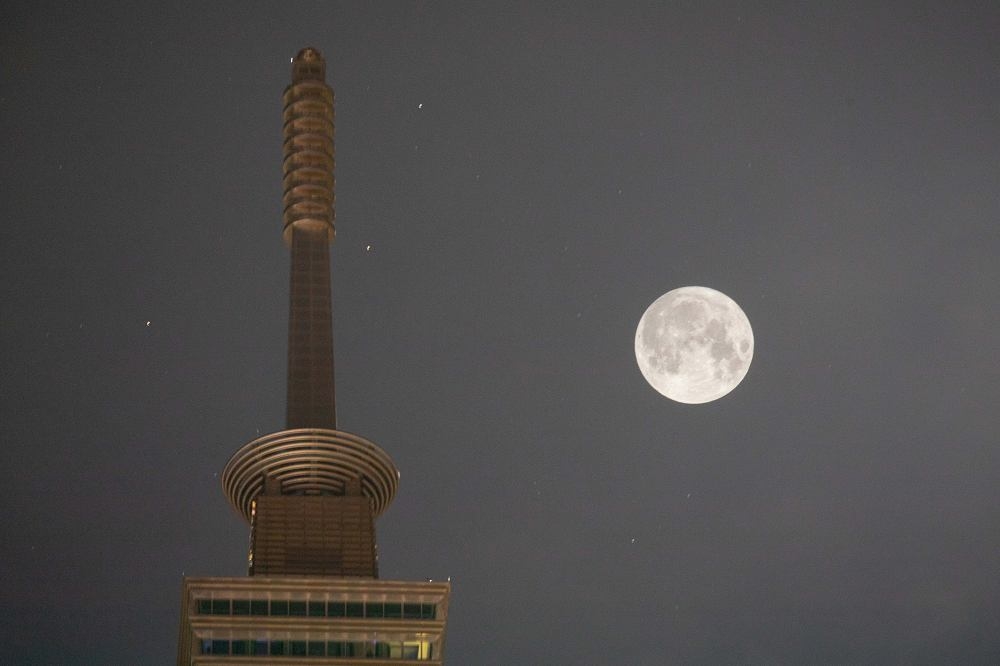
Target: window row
(380,609)
(409,650)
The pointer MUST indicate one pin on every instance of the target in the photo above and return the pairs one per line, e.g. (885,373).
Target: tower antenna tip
(309,54)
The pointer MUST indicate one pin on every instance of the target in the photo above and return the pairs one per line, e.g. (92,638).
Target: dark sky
(529,179)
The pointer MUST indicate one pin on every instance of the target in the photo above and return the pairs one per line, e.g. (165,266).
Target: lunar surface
(694,344)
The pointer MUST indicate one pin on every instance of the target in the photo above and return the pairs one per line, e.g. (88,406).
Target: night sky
(516,183)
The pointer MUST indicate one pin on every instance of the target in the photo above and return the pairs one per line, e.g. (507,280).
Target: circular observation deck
(310,461)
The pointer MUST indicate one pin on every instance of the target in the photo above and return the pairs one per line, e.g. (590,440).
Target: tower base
(321,620)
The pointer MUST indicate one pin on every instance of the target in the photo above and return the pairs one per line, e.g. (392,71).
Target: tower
(310,492)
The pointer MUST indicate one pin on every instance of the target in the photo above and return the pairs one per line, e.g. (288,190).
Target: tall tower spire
(309,230)
(311,493)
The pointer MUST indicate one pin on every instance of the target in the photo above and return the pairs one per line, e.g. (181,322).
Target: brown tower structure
(311,493)
(309,230)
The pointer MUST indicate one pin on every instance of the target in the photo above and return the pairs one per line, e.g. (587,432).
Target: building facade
(311,493)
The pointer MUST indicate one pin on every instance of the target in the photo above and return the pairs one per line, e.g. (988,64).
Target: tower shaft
(311,399)
(309,229)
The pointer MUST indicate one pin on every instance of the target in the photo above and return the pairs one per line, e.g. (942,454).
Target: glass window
(298,648)
(220,647)
(317,609)
(335,608)
(316,648)
(411,611)
(410,651)
(393,610)
(206,646)
(204,606)
(355,609)
(277,647)
(241,606)
(260,647)
(258,606)
(220,607)
(297,608)
(427,611)
(382,650)
(335,649)
(374,609)
(240,647)
(279,608)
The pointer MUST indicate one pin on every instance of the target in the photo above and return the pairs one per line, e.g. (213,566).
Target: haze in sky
(515,184)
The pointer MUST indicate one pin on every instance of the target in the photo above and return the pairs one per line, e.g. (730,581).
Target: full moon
(694,345)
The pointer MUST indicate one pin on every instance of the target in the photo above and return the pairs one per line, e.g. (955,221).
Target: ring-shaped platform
(310,461)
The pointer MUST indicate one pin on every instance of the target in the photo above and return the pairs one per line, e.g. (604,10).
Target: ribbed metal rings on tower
(308,148)
(310,461)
